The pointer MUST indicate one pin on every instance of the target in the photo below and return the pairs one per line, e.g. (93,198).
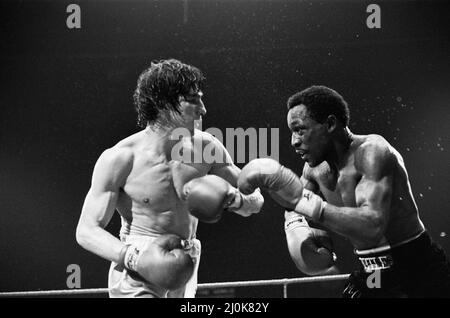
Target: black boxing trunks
(418,268)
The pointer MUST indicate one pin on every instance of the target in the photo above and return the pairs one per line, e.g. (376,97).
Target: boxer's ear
(331,123)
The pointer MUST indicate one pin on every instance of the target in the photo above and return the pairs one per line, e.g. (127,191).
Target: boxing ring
(284,282)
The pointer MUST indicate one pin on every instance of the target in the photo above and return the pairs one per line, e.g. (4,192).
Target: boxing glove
(311,249)
(162,262)
(283,186)
(208,197)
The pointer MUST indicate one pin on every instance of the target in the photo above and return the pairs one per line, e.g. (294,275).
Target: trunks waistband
(386,248)
(192,245)
(381,258)
(374,263)
(129,238)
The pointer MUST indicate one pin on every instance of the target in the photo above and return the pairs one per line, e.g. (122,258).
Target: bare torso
(338,186)
(149,201)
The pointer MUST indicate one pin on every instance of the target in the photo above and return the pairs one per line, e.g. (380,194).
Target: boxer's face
(192,109)
(309,138)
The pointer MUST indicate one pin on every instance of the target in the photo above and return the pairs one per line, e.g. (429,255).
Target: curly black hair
(321,101)
(160,85)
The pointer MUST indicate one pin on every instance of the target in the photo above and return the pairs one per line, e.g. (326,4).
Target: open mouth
(302,153)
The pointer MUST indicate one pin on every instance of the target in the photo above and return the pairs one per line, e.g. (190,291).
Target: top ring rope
(269,282)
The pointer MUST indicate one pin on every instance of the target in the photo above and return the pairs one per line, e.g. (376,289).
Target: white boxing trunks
(123,283)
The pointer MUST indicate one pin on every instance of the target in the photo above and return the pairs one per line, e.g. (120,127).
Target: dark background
(66,95)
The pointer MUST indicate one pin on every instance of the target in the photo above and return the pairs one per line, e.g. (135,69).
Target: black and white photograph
(244,151)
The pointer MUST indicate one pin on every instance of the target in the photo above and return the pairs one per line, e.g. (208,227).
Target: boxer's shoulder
(205,137)
(117,160)
(373,153)
(214,146)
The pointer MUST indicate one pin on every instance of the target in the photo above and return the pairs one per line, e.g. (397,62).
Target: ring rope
(269,282)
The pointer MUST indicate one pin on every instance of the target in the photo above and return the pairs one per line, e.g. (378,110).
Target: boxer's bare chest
(156,181)
(337,185)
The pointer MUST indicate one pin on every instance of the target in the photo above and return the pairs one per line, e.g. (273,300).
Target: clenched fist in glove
(162,262)
(209,196)
(311,249)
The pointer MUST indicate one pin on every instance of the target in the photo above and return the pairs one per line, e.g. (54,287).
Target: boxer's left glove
(311,249)
(209,196)
(163,262)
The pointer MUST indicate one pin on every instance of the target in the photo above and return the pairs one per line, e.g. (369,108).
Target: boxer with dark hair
(356,186)
(160,196)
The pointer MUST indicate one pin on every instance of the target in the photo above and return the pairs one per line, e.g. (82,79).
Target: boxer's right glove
(162,262)
(208,197)
(310,248)
(283,186)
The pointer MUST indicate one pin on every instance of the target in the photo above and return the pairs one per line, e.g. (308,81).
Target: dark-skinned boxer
(356,186)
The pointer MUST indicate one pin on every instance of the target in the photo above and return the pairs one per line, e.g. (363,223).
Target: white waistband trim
(387,247)
(127,238)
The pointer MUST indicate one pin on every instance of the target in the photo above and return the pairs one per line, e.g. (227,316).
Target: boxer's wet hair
(160,85)
(321,101)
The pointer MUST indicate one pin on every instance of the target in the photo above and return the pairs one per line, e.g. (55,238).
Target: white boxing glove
(311,249)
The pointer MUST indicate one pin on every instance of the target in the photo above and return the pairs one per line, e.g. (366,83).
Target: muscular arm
(224,167)
(366,223)
(109,175)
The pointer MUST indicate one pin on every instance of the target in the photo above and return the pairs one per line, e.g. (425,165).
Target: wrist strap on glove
(131,257)
(310,205)
(294,220)
(247,204)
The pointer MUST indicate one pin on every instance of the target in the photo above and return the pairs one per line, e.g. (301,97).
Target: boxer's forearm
(361,224)
(97,240)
